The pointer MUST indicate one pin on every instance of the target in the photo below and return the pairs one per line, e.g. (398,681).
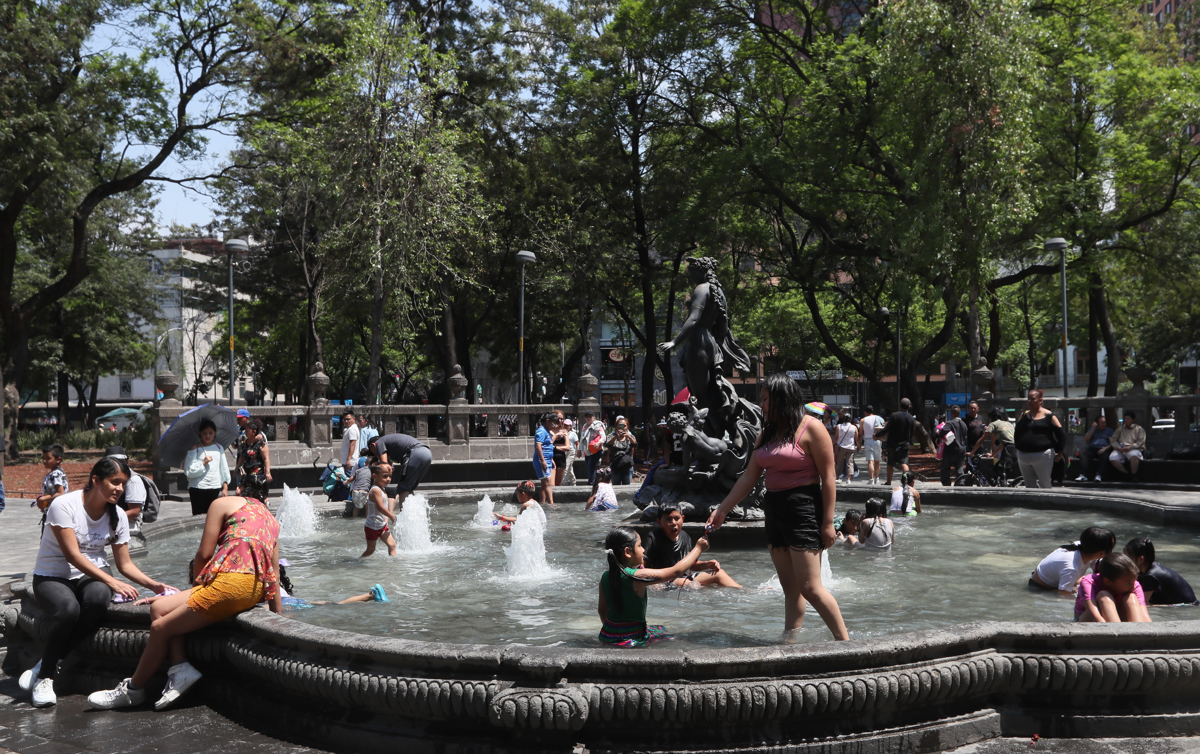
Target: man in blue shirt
(1096,449)
(543,455)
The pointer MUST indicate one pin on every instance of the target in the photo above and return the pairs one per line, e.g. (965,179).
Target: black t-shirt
(975,429)
(961,434)
(676,441)
(899,429)
(1169,587)
(661,552)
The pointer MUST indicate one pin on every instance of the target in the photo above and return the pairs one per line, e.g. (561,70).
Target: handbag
(594,445)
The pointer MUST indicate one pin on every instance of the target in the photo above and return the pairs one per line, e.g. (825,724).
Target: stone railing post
(587,392)
(318,429)
(1137,398)
(457,412)
(168,383)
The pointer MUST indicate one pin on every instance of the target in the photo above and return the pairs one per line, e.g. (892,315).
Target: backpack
(153,500)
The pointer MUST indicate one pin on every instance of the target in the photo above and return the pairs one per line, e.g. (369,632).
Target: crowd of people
(799,454)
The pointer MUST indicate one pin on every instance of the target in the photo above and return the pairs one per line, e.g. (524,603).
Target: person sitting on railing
(410,459)
(1128,442)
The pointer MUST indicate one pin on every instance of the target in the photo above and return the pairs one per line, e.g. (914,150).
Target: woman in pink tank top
(796,453)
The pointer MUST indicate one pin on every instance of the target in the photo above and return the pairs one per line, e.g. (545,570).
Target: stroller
(335,482)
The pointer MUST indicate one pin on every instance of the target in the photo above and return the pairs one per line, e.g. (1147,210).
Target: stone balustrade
(304,436)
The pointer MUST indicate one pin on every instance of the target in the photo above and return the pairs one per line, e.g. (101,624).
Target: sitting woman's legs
(1132,611)
(167,628)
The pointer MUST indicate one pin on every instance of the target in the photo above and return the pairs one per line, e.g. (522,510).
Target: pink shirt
(1089,585)
(787,465)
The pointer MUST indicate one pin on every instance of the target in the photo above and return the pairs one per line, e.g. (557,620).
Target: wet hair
(668,508)
(854,514)
(528,487)
(55,451)
(206,424)
(614,547)
(1115,565)
(254,487)
(284,581)
(907,478)
(786,406)
(106,468)
(876,508)
(1140,548)
(905,404)
(1093,539)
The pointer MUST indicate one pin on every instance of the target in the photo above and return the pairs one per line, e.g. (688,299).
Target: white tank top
(375,519)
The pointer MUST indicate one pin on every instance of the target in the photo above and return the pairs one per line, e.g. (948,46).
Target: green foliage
(36,440)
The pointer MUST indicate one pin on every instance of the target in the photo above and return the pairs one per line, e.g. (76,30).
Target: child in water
(1063,568)
(379,511)
(522,496)
(905,499)
(1160,584)
(604,497)
(622,604)
(1112,594)
(289,600)
(876,532)
(847,526)
(668,543)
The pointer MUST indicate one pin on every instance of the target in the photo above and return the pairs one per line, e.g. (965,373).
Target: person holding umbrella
(206,469)
(180,439)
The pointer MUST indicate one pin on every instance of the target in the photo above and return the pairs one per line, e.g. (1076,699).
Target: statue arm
(699,299)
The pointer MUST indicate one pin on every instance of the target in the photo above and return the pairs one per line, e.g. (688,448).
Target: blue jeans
(623,477)
(593,463)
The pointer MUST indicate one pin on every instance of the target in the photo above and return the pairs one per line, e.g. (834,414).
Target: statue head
(676,422)
(702,269)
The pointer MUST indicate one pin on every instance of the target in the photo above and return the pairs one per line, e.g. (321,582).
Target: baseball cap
(243,412)
(115,451)
(568,423)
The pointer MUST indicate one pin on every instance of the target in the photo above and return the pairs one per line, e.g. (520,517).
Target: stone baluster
(457,413)
(318,422)
(587,392)
(168,383)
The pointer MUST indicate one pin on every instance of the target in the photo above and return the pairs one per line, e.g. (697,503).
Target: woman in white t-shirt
(72,580)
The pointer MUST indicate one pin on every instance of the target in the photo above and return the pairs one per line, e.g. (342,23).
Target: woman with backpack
(72,580)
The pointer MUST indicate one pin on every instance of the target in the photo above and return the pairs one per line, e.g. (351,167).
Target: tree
(107,118)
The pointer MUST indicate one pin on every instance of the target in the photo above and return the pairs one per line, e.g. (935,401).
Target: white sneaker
(43,693)
(180,678)
(29,678)
(122,696)
(1081,478)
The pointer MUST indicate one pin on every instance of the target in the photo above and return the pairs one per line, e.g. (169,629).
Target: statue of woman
(707,349)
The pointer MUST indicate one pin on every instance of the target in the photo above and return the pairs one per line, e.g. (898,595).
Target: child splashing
(622,605)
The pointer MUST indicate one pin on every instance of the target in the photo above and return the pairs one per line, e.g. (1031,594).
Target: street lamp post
(885,313)
(232,245)
(1060,245)
(523,258)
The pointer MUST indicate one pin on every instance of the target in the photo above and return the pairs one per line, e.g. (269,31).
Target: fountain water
(297,517)
(412,526)
(483,516)
(527,553)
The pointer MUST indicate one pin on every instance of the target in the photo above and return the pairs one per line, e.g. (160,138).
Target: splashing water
(828,580)
(412,526)
(297,517)
(483,516)
(527,553)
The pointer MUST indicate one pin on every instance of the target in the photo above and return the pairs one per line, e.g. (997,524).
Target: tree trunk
(64,403)
(1113,377)
(1093,340)
(93,410)
(377,305)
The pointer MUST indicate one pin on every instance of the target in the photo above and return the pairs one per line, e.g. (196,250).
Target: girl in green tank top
(622,605)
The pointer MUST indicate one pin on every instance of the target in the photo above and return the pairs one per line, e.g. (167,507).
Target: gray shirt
(396,446)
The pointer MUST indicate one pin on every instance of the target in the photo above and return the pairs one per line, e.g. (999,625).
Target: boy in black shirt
(668,543)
